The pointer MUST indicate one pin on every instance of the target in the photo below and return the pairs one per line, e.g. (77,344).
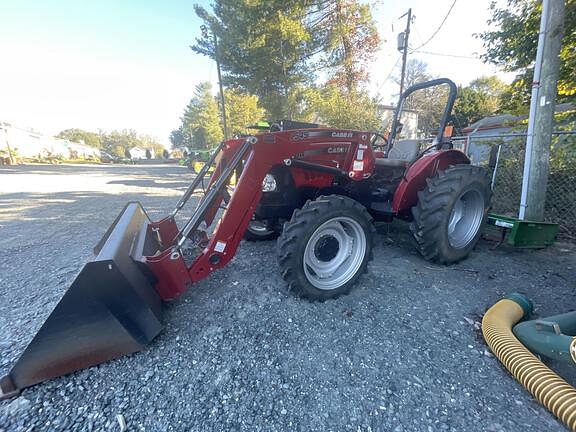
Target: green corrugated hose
(546,386)
(550,336)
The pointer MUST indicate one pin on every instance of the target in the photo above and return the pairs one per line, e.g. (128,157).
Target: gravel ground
(402,352)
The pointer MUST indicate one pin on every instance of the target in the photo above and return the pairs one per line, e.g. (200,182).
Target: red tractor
(318,190)
(322,200)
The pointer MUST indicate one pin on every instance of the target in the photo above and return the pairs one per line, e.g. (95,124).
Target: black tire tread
(295,228)
(432,204)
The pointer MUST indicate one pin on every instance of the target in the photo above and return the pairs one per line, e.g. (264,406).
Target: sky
(112,64)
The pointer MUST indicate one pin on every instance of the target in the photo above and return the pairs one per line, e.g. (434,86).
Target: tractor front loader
(317,189)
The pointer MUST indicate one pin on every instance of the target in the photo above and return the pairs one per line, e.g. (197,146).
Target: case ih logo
(337,149)
(342,134)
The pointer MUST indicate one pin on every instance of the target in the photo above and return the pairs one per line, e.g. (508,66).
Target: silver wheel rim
(334,253)
(465,218)
(259,228)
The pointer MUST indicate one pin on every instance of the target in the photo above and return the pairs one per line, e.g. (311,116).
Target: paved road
(400,353)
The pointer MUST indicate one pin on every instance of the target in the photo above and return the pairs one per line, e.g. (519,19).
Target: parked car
(108,158)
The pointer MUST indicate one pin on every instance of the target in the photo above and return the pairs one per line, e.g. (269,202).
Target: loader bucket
(111,309)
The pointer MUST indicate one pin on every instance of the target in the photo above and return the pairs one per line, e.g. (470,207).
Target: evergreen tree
(348,38)
(200,122)
(263,47)
(241,110)
(272,48)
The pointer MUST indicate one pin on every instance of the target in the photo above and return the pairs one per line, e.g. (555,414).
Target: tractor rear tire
(257,231)
(450,213)
(325,247)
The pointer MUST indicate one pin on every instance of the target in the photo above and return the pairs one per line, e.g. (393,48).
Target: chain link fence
(560,206)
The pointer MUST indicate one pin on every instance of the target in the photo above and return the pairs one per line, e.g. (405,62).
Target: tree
(336,107)
(489,85)
(179,139)
(429,103)
(273,48)
(150,143)
(348,38)
(263,47)
(242,110)
(119,143)
(78,135)
(200,126)
(471,105)
(512,44)
(480,99)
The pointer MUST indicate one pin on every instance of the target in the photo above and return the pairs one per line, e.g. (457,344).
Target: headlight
(269,183)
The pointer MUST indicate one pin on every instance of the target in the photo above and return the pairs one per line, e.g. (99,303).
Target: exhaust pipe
(545,385)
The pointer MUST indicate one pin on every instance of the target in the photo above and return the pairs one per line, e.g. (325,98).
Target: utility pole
(403,46)
(542,105)
(204,30)
(220,85)
(5,128)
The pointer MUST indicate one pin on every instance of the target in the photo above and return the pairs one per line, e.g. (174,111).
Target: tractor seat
(404,152)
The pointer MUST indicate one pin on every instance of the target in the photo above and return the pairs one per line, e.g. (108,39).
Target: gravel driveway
(400,353)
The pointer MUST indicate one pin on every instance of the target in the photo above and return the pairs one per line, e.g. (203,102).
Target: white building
(81,151)
(140,153)
(24,142)
(27,143)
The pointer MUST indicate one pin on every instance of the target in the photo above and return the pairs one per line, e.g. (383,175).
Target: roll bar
(447,109)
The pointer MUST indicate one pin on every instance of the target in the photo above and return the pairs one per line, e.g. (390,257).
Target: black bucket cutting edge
(110,310)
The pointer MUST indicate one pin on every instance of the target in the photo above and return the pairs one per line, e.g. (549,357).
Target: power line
(439,27)
(418,33)
(444,55)
(388,77)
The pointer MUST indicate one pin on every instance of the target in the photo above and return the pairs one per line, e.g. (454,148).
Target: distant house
(24,142)
(28,143)
(140,153)
(480,134)
(81,150)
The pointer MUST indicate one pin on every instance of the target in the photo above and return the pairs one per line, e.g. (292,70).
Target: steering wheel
(275,127)
(375,136)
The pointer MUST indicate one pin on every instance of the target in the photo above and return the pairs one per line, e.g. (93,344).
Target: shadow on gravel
(150,183)
(150,171)
(401,352)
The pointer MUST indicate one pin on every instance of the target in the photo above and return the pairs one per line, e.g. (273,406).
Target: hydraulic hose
(545,385)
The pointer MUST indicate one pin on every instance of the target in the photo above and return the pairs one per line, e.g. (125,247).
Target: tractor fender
(414,180)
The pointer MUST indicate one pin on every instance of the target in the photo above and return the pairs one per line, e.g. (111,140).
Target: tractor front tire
(450,213)
(325,247)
